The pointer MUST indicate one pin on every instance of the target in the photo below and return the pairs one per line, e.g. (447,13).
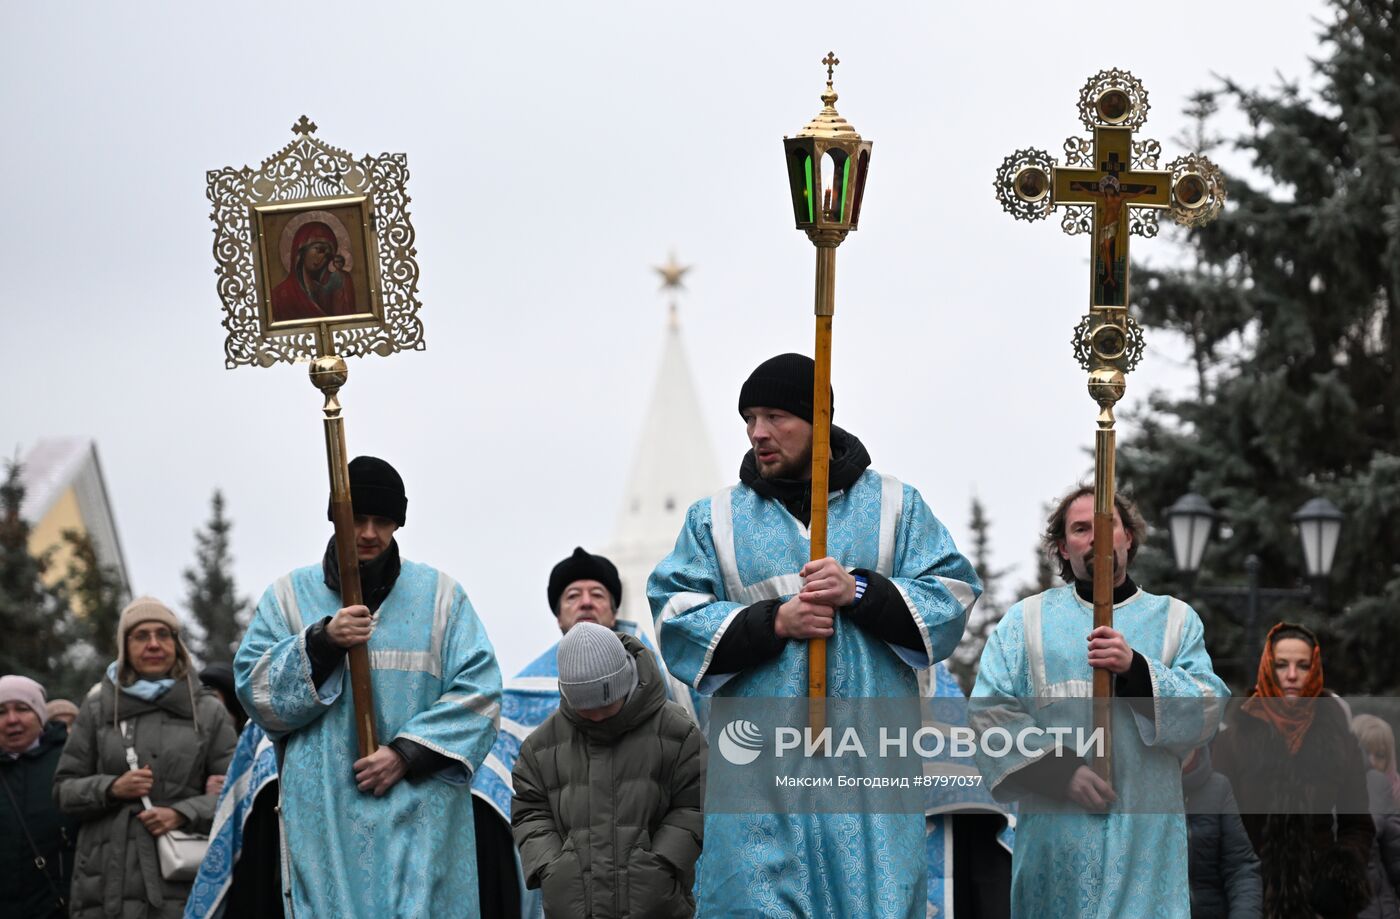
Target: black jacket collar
(377,576)
(849,460)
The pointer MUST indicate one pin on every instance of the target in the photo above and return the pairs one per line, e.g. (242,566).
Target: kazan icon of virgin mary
(314,287)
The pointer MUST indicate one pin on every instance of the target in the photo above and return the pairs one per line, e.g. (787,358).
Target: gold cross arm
(1103,177)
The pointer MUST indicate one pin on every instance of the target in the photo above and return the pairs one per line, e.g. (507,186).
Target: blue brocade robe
(944,802)
(253,766)
(738,548)
(346,854)
(1131,862)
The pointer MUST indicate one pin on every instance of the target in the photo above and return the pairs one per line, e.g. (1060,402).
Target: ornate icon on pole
(314,253)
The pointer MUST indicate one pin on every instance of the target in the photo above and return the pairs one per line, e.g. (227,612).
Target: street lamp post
(1190,522)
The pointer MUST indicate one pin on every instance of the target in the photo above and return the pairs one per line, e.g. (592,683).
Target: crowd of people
(578,787)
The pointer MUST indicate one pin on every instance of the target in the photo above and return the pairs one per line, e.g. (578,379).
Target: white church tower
(673,466)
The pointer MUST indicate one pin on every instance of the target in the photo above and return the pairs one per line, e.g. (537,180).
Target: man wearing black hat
(736,601)
(582,588)
(398,822)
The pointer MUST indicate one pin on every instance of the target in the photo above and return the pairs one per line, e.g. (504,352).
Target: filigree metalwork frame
(1079,151)
(1146,152)
(308,170)
(1135,344)
(1012,166)
(1214,185)
(1077,219)
(1102,82)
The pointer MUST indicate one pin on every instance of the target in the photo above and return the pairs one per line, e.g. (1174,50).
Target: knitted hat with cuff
(595,670)
(376,490)
(784,382)
(21,689)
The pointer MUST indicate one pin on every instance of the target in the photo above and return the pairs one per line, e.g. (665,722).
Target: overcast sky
(556,152)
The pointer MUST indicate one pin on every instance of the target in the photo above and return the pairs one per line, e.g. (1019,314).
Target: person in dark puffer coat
(36,839)
(609,791)
(1224,869)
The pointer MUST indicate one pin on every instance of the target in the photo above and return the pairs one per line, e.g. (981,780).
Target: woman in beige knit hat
(181,733)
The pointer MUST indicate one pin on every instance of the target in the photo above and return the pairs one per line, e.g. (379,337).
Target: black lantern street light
(1190,521)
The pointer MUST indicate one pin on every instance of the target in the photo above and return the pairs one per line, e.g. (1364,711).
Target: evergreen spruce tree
(1046,573)
(211,597)
(1292,309)
(42,639)
(990,606)
(95,592)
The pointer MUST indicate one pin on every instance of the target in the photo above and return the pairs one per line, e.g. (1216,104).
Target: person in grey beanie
(609,791)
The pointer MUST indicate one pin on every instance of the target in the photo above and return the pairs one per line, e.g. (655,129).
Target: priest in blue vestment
(736,600)
(389,834)
(1085,847)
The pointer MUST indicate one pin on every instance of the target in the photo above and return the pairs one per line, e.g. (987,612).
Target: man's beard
(799,469)
(1089,565)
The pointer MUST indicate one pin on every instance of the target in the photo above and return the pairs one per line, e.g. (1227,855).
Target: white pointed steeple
(672,467)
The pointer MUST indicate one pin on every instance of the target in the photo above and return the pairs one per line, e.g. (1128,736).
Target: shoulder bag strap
(39,861)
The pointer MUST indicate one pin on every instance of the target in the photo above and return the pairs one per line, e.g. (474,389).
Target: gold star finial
(671,273)
(830,61)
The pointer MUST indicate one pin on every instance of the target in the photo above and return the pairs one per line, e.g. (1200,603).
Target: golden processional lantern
(827,164)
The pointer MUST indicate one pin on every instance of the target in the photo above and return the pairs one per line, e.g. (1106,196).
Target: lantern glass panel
(1331,532)
(835,175)
(862,168)
(1190,533)
(1319,536)
(807,192)
(799,169)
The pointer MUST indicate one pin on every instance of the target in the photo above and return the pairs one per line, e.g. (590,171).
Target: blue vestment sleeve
(938,584)
(999,701)
(462,724)
(688,603)
(1187,697)
(272,674)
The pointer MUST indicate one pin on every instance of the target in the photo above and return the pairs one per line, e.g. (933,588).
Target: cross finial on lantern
(304,125)
(830,61)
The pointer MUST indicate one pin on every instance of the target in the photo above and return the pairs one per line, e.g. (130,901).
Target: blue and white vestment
(436,683)
(738,548)
(1131,862)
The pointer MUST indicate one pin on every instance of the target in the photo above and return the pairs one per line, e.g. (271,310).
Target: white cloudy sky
(558,150)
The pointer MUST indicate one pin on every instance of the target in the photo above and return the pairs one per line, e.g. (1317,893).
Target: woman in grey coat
(181,735)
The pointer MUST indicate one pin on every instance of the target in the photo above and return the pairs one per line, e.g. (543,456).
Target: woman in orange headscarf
(1300,782)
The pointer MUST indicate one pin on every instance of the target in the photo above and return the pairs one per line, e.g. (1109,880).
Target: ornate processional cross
(1111,188)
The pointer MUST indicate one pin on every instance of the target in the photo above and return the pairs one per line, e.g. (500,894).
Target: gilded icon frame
(309,175)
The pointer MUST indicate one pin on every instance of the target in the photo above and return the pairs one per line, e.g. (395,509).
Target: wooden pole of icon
(827,165)
(328,374)
(1112,190)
